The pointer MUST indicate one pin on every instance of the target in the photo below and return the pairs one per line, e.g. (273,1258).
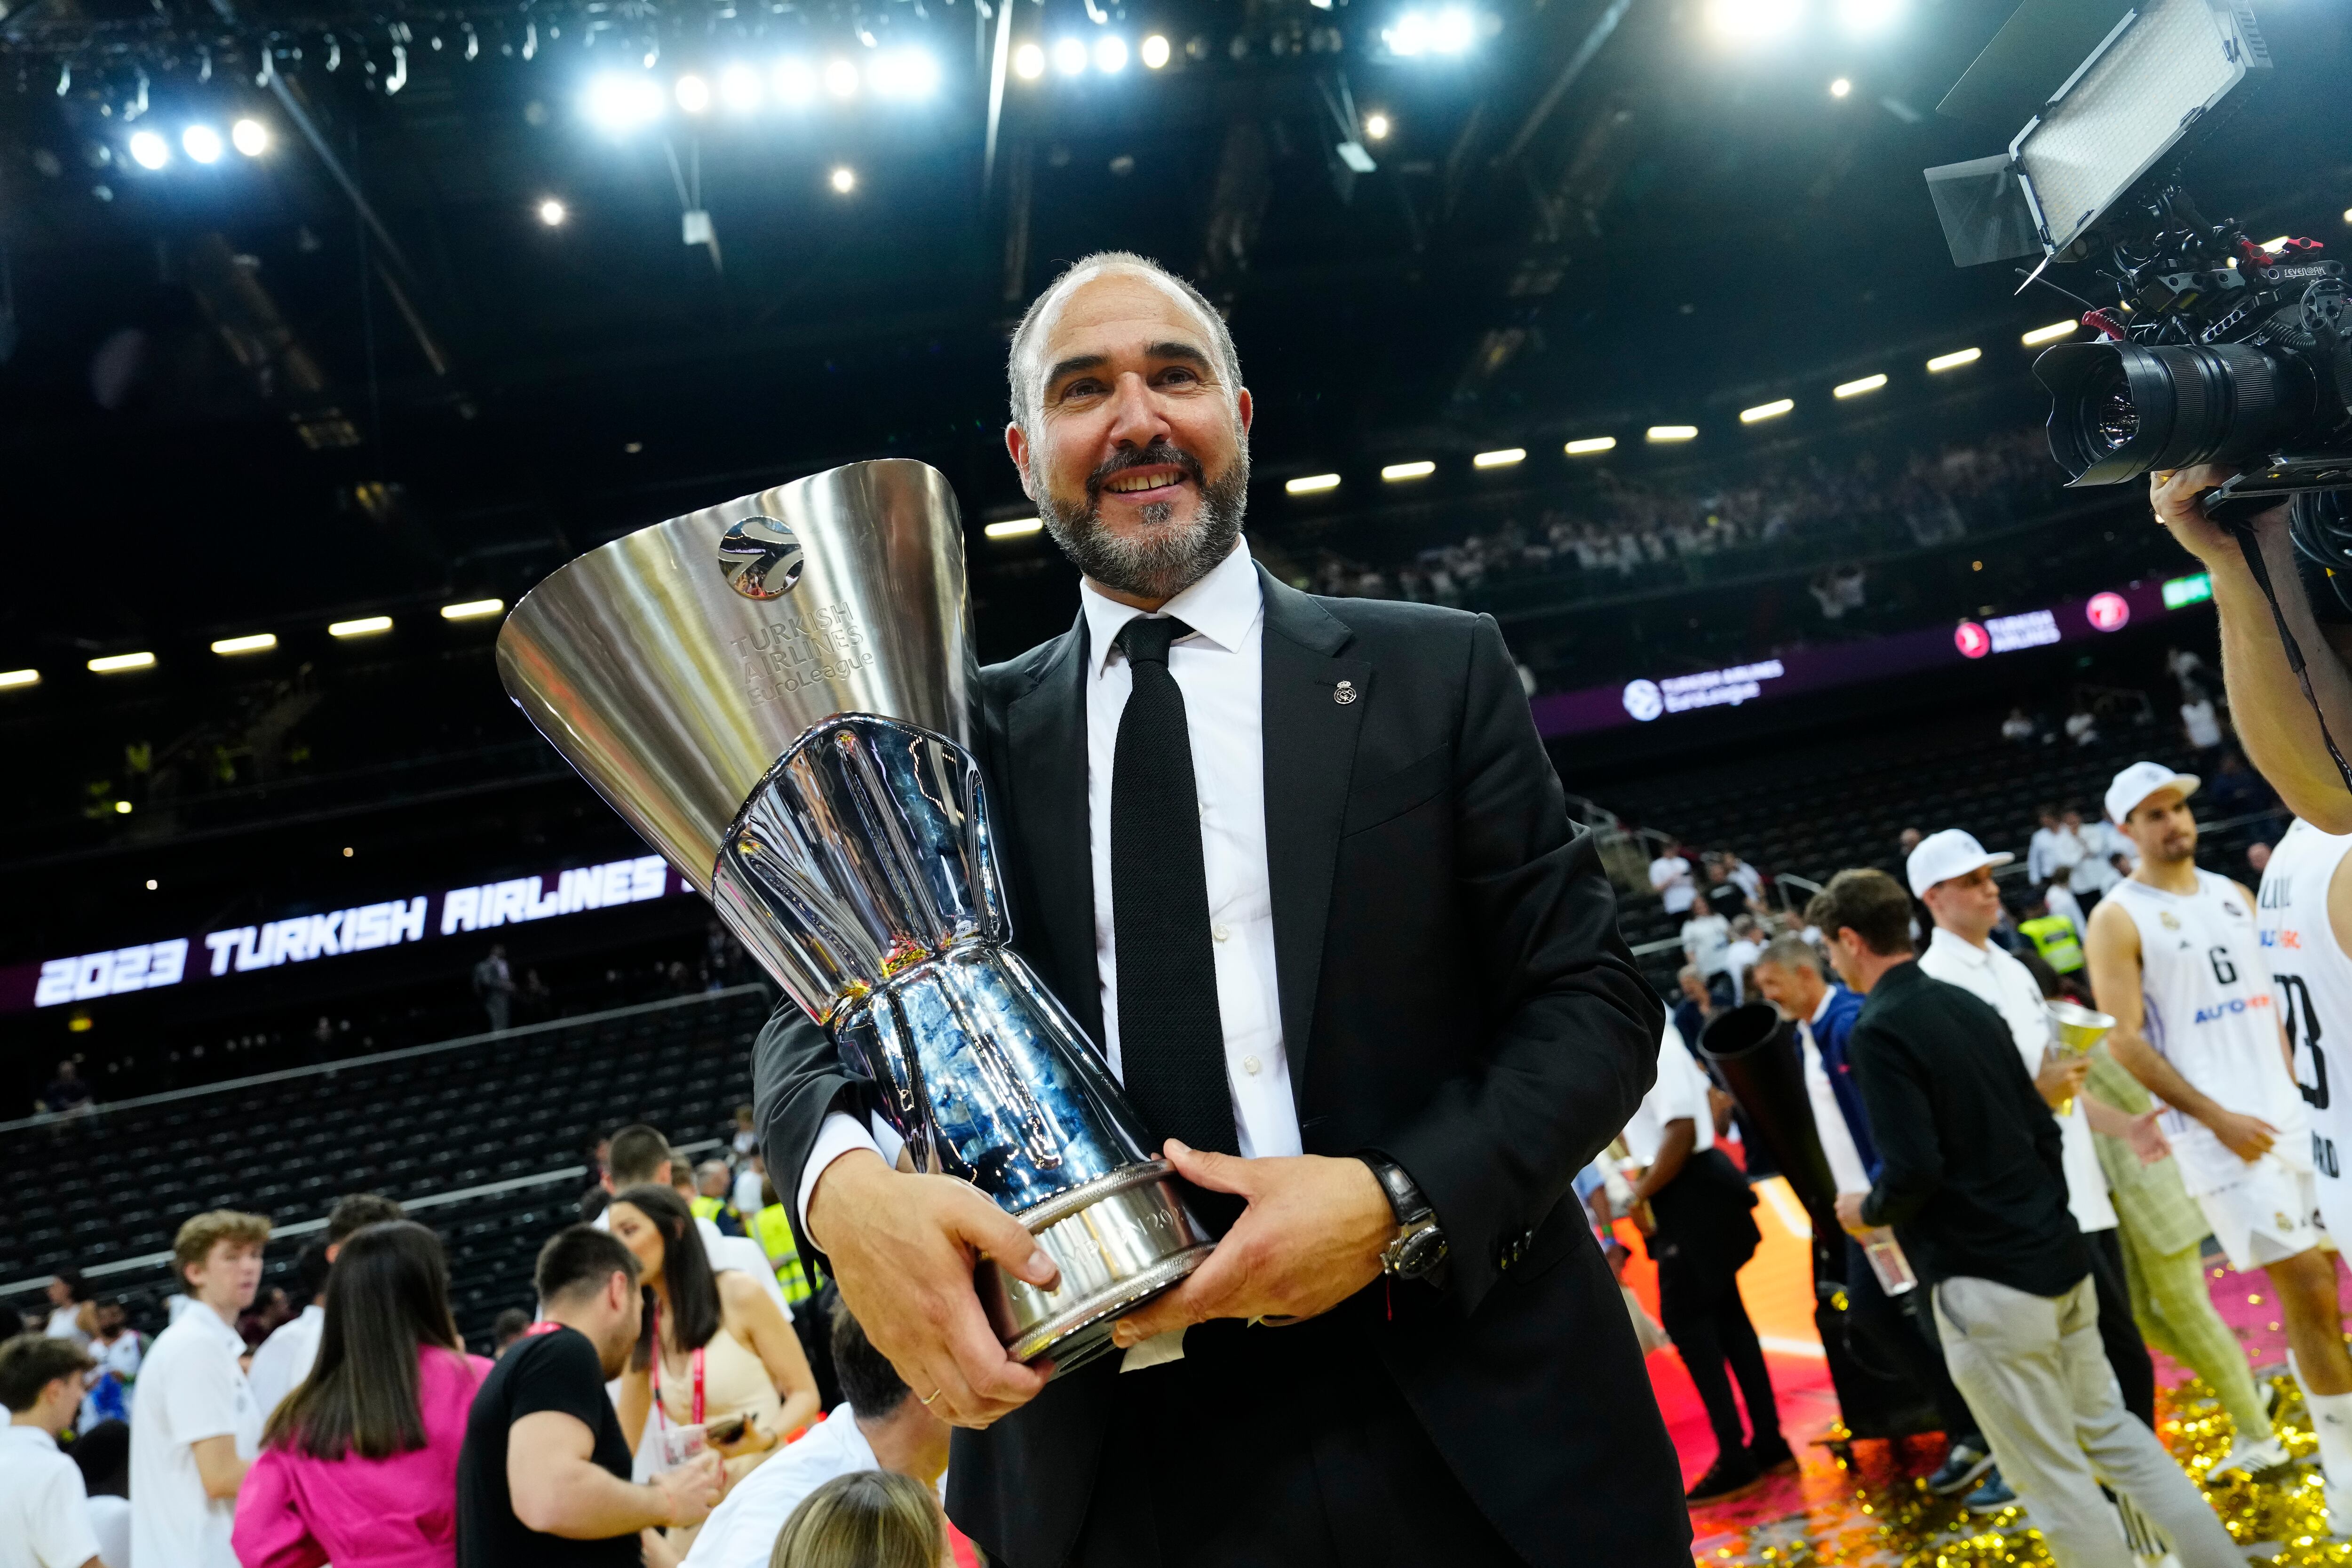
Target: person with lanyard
(713,1345)
(1788,975)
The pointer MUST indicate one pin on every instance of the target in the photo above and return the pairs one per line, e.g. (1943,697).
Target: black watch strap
(1405,1198)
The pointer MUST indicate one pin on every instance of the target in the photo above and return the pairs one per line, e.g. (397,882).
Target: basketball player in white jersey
(2175,958)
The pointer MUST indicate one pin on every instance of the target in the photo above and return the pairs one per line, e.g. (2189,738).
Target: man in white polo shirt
(44,1511)
(197,1427)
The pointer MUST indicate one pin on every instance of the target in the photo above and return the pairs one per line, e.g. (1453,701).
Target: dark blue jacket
(1830,1038)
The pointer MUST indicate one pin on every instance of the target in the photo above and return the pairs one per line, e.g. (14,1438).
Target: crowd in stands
(1640,533)
(665,1404)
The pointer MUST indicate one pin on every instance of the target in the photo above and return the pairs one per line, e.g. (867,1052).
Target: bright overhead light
(121,808)
(1585,446)
(250,137)
(259,642)
(1420,470)
(1672,432)
(1029,62)
(115,663)
(2050,333)
(1750,21)
(150,884)
(1069,55)
(1376,126)
(841,78)
(693,93)
(1309,484)
(1954,360)
(1502,458)
(202,144)
(13,679)
(1856,388)
(738,88)
(1449,31)
(793,80)
(1110,54)
(1014,528)
(1153,54)
(552,213)
(2275,246)
(844,179)
(472,609)
(617,102)
(1840,87)
(1772,410)
(1868,15)
(365,626)
(149,151)
(904,73)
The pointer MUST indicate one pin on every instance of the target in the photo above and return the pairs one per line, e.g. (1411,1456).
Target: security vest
(774,1228)
(2053,938)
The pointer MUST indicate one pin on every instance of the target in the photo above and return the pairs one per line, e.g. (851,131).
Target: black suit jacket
(1454,993)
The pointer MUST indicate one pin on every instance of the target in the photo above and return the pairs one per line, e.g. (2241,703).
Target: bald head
(1025,367)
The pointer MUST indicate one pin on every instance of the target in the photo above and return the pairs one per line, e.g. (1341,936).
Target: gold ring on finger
(935,1394)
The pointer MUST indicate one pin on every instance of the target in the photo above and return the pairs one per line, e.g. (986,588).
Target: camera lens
(2118,410)
(2110,418)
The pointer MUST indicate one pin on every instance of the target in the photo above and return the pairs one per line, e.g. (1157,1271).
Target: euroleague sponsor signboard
(306,938)
(1661,698)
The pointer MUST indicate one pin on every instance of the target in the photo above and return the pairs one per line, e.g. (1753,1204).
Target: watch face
(1421,1251)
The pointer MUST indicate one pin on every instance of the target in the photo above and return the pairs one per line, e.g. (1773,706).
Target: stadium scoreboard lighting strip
(2183,592)
(305,938)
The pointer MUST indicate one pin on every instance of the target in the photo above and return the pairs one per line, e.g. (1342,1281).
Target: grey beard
(1165,565)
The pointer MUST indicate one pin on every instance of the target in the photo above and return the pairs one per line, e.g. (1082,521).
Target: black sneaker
(1771,1453)
(1728,1477)
(1959,1473)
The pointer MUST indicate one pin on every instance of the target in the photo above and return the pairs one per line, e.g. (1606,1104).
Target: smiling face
(1137,450)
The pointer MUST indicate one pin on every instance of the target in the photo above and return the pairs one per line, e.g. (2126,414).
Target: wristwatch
(1419,1249)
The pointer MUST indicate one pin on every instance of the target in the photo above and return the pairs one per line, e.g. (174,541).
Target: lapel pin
(1344,693)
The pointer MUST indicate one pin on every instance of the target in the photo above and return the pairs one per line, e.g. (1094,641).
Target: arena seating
(515,1114)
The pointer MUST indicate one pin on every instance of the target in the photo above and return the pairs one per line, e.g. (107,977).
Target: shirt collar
(1954,945)
(210,1321)
(1221,607)
(30,1433)
(1821,1007)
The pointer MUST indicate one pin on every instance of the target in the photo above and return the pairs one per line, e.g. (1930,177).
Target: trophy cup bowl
(777,694)
(2077,1029)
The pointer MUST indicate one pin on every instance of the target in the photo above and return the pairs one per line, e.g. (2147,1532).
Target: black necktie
(1171,1041)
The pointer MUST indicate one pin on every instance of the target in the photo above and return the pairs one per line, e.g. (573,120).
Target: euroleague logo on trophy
(761,558)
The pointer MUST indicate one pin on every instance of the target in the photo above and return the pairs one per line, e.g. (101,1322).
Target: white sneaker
(2252,1461)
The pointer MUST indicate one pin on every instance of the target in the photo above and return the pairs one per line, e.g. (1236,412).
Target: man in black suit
(1302,869)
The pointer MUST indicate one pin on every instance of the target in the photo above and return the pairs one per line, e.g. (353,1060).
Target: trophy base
(1119,1240)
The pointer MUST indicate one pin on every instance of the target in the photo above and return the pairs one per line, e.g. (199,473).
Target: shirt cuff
(841,1134)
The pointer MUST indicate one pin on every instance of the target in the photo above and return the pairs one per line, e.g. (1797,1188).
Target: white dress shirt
(44,1512)
(1678,1091)
(2007,986)
(1838,1147)
(190,1388)
(285,1357)
(741,1530)
(1219,670)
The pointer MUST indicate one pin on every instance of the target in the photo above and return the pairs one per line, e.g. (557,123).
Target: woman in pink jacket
(359,1464)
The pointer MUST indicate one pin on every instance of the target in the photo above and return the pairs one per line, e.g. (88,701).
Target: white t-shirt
(64,1324)
(1707,940)
(1748,879)
(190,1388)
(2000,981)
(122,1359)
(44,1512)
(285,1357)
(746,1195)
(2051,853)
(2204,728)
(2206,991)
(1671,875)
(2097,871)
(1739,958)
(741,1530)
(1680,1091)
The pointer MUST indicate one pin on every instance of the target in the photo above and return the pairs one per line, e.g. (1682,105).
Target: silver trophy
(777,694)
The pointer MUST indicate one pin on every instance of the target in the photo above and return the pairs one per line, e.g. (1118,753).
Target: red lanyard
(694,1419)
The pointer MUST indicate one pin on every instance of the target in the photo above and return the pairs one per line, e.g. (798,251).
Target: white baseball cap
(2136,783)
(1940,857)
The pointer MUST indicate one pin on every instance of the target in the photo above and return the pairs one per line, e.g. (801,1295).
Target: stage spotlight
(1954,360)
(620,103)
(1584,447)
(1868,15)
(693,93)
(1069,55)
(116,663)
(1763,411)
(904,73)
(149,151)
(1840,87)
(841,78)
(250,137)
(13,679)
(2049,334)
(1674,432)
(1154,52)
(1376,126)
(1450,31)
(1028,62)
(1856,388)
(472,609)
(1750,21)
(552,213)
(1420,470)
(202,144)
(793,81)
(1110,54)
(1311,484)
(1504,458)
(738,88)
(365,626)
(844,179)
(259,642)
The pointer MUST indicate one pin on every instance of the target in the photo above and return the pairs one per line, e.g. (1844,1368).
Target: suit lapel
(1311,753)
(1046,778)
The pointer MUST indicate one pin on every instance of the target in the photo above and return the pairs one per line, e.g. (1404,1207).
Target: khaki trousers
(2034,1372)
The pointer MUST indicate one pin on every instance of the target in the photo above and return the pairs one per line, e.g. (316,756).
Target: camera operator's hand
(2177,497)
(903,1247)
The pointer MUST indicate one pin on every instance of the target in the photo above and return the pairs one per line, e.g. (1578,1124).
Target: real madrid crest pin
(1344,693)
